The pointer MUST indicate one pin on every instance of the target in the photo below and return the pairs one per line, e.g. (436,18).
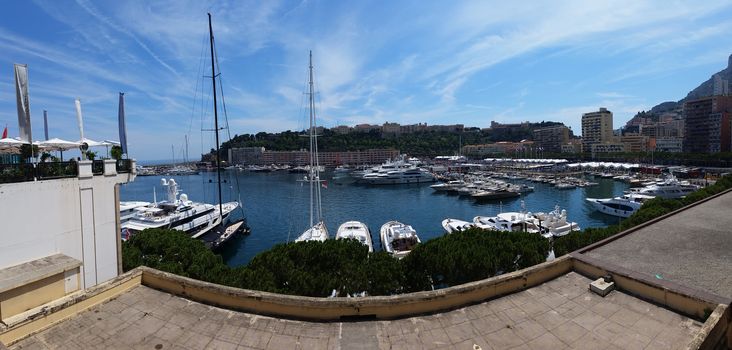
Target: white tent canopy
(91,143)
(11,144)
(56,144)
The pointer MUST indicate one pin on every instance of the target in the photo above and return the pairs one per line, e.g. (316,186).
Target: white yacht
(178,213)
(623,206)
(409,175)
(669,189)
(356,230)
(317,230)
(509,221)
(398,239)
(454,225)
(494,194)
(448,186)
(555,223)
(127,209)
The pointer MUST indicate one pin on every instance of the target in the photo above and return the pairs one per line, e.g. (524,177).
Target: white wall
(73,216)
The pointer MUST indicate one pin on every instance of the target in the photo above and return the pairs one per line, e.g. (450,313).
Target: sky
(434,62)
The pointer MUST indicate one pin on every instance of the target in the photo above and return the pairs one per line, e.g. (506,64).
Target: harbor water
(276,205)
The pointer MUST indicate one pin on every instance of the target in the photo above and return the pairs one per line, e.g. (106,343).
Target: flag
(5,133)
(122,125)
(23,103)
(324,184)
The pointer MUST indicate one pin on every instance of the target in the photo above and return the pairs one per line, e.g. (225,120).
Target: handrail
(10,173)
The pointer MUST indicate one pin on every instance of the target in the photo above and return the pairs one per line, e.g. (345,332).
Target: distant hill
(705,89)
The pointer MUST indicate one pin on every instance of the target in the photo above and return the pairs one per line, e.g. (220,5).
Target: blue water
(275,205)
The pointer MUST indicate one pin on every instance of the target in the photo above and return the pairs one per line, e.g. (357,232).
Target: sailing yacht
(317,231)
(201,220)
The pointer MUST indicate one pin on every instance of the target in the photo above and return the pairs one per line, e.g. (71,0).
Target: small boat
(215,238)
(448,186)
(565,186)
(398,239)
(356,230)
(453,225)
(623,206)
(493,194)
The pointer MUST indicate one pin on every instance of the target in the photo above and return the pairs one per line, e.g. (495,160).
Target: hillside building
(551,139)
(707,125)
(597,128)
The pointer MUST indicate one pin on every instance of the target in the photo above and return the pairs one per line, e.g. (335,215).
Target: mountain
(707,88)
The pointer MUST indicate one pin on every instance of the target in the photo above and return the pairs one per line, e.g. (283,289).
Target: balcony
(27,172)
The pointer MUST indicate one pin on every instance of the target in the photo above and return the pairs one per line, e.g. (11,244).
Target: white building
(60,231)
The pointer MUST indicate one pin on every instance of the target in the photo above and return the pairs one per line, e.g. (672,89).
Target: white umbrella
(11,144)
(56,144)
(91,143)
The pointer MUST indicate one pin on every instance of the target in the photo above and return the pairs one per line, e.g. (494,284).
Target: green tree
(116,152)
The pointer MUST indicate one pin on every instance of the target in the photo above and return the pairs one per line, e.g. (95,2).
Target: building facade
(610,147)
(597,128)
(669,144)
(707,125)
(245,155)
(637,143)
(552,138)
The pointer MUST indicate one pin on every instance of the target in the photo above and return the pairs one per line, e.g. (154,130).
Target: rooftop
(692,248)
(558,314)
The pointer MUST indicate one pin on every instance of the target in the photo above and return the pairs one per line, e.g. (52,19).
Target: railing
(56,170)
(98,167)
(124,166)
(16,173)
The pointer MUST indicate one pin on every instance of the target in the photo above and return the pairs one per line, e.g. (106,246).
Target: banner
(122,125)
(45,123)
(23,102)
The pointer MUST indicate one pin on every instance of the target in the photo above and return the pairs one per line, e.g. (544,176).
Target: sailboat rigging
(317,231)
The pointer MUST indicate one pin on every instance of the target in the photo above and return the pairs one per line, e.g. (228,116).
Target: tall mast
(312,137)
(216,114)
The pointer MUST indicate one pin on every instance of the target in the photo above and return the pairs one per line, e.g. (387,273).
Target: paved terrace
(558,314)
(692,248)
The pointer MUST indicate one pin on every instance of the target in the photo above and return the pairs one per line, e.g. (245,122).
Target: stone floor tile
(569,332)
(605,308)
(489,324)
(547,341)
(503,339)
(193,340)
(534,308)
(553,300)
(434,339)
(589,320)
(470,344)
(460,332)
(632,341)
(626,317)
(514,314)
(282,341)
(482,309)
(550,319)
(590,341)
(307,343)
(570,309)
(528,329)
(219,344)
(610,331)
(255,338)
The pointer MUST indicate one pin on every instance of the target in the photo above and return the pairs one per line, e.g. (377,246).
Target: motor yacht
(455,225)
(448,186)
(623,206)
(509,221)
(494,194)
(398,239)
(127,209)
(356,230)
(178,213)
(669,188)
(555,223)
(409,175)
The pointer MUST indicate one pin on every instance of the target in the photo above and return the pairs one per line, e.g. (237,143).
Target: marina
(415,204)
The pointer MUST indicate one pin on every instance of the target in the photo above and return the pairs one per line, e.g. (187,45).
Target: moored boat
(398,239)
(355,230)
(454,225)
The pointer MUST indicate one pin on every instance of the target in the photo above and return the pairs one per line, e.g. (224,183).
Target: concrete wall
(72,216)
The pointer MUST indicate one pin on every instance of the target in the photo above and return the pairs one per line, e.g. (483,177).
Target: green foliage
(90,155)
(471,255)
(116,152)
(650,210)
(176,252)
